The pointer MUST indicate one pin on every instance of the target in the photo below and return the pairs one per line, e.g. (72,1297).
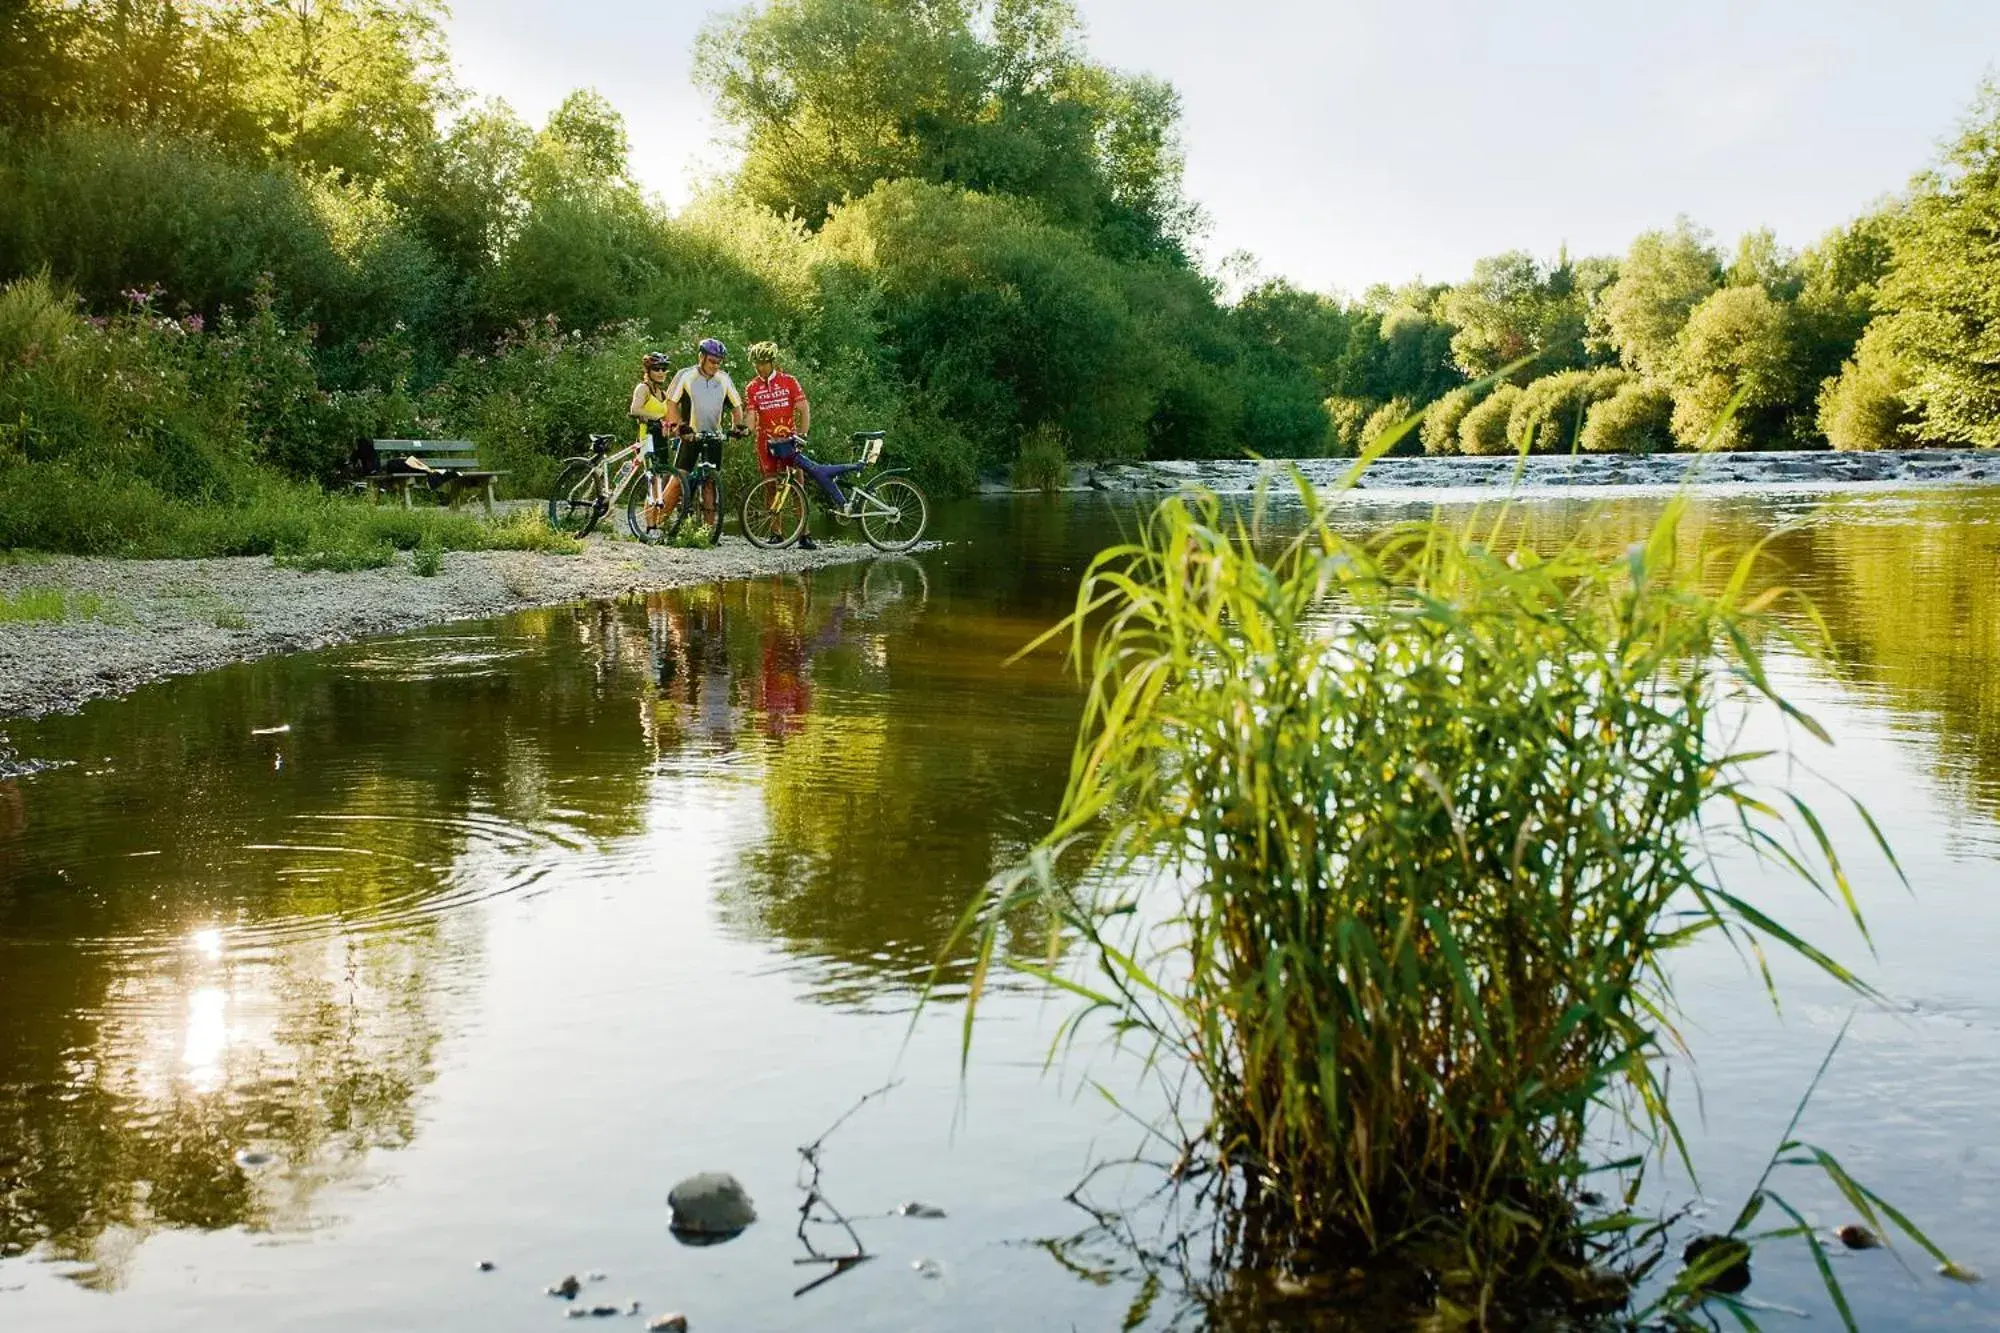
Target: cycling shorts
(695,449)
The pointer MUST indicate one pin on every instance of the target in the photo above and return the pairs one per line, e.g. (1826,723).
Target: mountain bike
(890,508)
(700,484)
(587,488)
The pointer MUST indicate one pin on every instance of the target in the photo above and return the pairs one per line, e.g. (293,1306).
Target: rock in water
(1857,1237)
(712,1204)
(669,1323)
(567,1288)
(1725,1259)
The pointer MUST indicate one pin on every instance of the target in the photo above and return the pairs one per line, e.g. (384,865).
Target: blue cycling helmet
(712,347)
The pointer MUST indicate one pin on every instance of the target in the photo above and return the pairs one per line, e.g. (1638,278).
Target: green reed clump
(1042,464)
(1431,811)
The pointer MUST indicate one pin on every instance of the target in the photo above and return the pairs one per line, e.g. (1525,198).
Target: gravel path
(168,617)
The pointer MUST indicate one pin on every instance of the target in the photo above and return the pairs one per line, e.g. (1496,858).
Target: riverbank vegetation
(1421,819)
(984,247)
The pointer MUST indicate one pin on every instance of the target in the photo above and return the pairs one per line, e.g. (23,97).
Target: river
(325,978)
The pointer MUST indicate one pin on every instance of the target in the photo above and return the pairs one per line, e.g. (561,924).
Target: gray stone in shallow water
(710,1204)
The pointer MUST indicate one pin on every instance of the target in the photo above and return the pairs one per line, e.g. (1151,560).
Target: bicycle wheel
(908,513)
(690,509)
(715,497)
(576,503)
(894,592)
(651,532)
(773,513)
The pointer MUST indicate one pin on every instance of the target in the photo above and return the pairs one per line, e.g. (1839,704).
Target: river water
(325,978)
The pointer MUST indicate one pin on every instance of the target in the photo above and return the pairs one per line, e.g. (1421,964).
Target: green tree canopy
(1738,341)
(1513,306)
(830,97)
(351,86)
(1666,274)
(1941,297)
(1011,322)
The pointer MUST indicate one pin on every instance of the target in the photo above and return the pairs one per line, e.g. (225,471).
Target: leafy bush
(1483,430)
(1549,414)
(1344,419)
(1638,419)
(1043,462)
(1387,418)
(1442,418)
(1866,406)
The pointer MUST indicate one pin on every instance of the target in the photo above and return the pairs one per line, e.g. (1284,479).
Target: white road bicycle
(586,489)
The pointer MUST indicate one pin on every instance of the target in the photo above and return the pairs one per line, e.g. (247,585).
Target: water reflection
(230,957)
(228,952)
(897,766)
(1910,586)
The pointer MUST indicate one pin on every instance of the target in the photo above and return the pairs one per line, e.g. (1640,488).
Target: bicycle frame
(631,460)
(857,489)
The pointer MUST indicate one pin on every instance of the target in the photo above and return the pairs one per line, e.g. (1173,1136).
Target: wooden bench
(448,469)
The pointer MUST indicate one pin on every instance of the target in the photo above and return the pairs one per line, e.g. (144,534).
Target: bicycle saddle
(863,436)
(601,443)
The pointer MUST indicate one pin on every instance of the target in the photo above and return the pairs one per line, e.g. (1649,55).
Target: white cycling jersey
(703,398)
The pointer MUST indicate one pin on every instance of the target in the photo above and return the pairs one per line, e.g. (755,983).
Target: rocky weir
(1795,468)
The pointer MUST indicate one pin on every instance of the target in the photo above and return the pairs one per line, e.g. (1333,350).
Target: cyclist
(700,397)
(654,413)
(779,411)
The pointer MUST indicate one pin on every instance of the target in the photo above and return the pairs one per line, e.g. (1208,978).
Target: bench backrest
(444,455)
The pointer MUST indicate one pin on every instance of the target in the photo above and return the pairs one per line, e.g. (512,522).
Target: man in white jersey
(699,399)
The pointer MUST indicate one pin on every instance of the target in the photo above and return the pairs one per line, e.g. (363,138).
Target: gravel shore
(169,617)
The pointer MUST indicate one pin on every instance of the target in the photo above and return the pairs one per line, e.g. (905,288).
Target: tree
(1009,322)
(1735,349)
(1345,418)
(1666,274)
(1303,329)
(1514,307)
(37,71)
(831,96)
(1941,297)
(1762,262)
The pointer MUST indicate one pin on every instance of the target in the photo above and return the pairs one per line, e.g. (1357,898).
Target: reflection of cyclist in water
(693,663)
(784,680)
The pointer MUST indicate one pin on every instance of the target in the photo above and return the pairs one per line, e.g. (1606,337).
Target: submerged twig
(809,1170)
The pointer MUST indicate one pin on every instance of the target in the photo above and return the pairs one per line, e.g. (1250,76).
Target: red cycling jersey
(774,400)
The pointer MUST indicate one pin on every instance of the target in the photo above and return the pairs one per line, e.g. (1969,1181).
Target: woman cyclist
(655,415)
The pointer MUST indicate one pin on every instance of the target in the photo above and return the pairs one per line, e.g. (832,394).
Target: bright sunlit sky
(1353,141)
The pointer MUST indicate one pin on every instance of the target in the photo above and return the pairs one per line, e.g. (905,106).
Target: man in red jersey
(777,403)
(778,410)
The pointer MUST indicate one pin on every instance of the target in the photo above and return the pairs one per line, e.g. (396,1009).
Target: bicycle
(889,506)
(586,489)
(704,477)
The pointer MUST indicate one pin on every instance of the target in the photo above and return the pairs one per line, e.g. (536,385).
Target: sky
(1347,142)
